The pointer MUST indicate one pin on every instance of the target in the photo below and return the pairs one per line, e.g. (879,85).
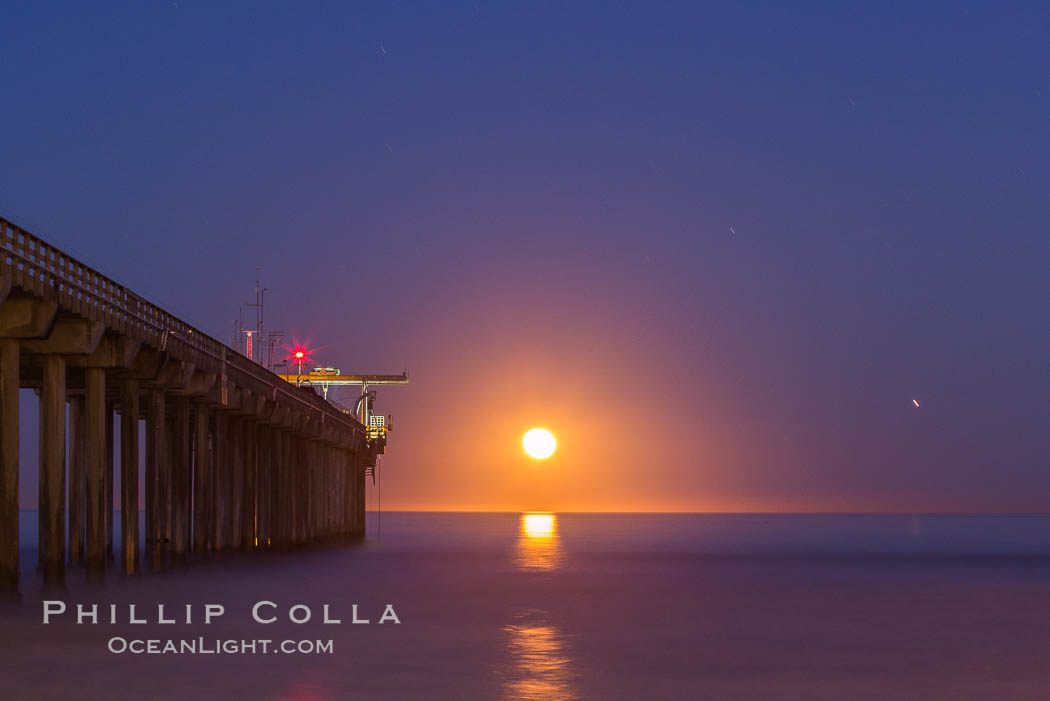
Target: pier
(236,458)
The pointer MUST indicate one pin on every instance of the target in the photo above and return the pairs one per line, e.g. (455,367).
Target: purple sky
(718,251)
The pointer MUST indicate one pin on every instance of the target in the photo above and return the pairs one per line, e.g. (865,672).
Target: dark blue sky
(717,248)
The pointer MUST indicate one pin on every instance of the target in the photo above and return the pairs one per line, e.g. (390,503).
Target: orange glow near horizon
(474,458)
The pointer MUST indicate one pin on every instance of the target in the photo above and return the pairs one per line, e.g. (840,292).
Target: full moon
(539,443)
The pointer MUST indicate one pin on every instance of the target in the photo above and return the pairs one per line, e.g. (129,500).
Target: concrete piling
(156,470)
(52,494)
(77,479)
(129,475)
(107,510)
(182,476)
(9,382)
(201,478)
(96,448)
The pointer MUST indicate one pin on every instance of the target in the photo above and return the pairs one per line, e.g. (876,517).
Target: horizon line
(688,513)
(684,513)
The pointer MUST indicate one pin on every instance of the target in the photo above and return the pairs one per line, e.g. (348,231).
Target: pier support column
(351,493)
(219,496)
(53,471)
(333,490)
(313,491)
(291,474)
(328,487)
(235,485)
(273,504)
(248,505)
(337,492)
(348,490)
(262,469)
(157,495)
(319,493)
(351,473)
(306,494)
(129,475)
(302,483)
(107,501)
(286,491)
(348,466)
(182,475)
(330,491)
(263,474)
(316,491)
(95,458)
(290,481)
(359,495)
(9,382)
(282,490)
(77,479)
(202,479)
(279,494)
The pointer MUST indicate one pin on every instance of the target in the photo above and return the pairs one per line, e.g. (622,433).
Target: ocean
(569,606)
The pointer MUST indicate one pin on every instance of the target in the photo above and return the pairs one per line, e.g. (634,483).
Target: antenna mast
(257,332)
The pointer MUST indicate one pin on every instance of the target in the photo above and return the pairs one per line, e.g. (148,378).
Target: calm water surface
(568,606)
